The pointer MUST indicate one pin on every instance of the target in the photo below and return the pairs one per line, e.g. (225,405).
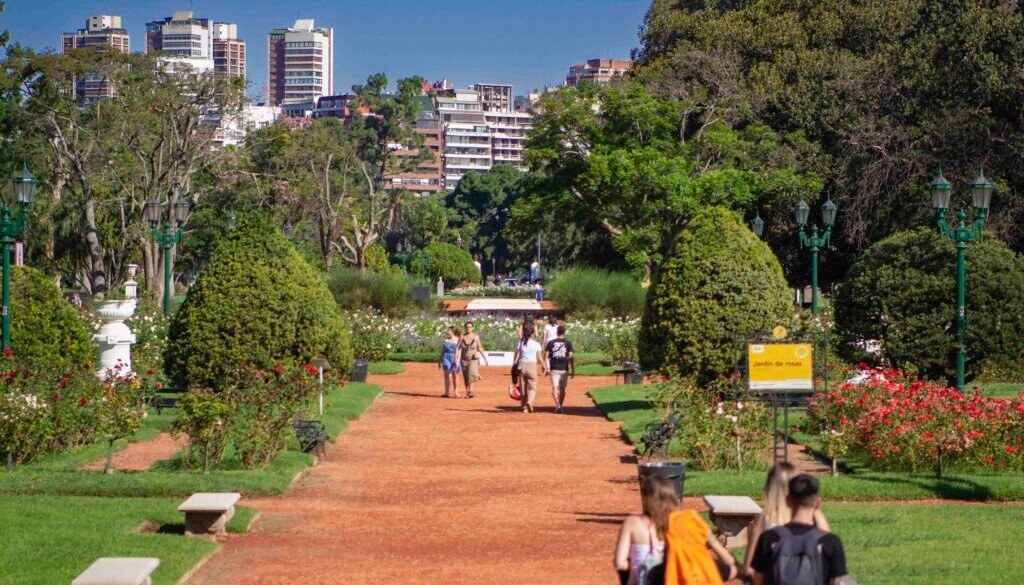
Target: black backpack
(798,558)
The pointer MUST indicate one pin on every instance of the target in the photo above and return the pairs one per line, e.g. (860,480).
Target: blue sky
(528,43)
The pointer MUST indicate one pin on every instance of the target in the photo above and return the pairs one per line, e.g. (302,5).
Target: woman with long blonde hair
(776,511)
(642,537)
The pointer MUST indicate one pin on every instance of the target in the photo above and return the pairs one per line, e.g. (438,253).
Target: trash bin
(359,372)
(633,373)
(420,293)
(674,471)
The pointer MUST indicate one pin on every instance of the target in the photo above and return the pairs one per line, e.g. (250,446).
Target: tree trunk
(97,270)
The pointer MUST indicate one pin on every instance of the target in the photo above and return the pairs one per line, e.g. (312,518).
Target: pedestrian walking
(450,362)
(527,356)
(538,291)
(550,330)
(561,365)
(471,353)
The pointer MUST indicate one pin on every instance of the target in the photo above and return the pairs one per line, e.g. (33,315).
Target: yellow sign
(781,366)
(779,332)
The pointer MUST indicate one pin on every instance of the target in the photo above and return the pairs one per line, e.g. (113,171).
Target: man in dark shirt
(561,365)
(803,501)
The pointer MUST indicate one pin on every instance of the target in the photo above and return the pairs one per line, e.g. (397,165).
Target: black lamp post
(815,242)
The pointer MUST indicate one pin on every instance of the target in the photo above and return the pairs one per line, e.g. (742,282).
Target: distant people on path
(798,552)
(471,353)
(776,511)
(664,542)
(550,330)
(538,291)
(450,362)
(561,365)
(528,358)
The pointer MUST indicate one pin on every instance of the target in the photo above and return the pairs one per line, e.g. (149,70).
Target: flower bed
(503,291)
(895,422)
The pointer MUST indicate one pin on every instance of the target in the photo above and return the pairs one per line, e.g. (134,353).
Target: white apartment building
(508,135)
(232,130)
(186,41)
(467,138)
(300,63)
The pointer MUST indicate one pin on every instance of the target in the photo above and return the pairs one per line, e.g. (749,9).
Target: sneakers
(558,409)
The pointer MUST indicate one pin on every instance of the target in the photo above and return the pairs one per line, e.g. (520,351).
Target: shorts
(559,379)
(471,371)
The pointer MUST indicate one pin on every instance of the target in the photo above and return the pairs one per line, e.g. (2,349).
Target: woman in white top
(776,511)
(527,357)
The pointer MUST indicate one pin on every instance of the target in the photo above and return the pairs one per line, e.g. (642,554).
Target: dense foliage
(447,261)
(256,303)
(902,292)
(895,422)
(888,89)
(718,288)
(45,330)
(389,292)
(594,293)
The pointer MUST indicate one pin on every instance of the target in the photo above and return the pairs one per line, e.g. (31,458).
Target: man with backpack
(797,553)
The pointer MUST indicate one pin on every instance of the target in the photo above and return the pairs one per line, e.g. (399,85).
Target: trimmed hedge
(596,293)
(257,302)
(902,292)
(719,287)
(388,292)
(450,262)
(45,329)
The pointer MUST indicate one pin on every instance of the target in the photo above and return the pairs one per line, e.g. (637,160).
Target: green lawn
(59,475)
(386,368)
(630,406)
(423,357)
(51,539)
(595,370)
(1002,389)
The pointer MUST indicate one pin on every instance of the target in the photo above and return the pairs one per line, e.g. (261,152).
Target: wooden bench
(118,571)
(311,435)
(732,515)
(208,513)
(160,403)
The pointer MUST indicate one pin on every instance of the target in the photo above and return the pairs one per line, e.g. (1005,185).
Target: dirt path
(443,491)
(138,456)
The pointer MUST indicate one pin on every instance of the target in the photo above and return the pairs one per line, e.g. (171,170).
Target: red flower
(83,401)
(1011,450)
(988,461)
(7,351)
(278,369)
(311,370)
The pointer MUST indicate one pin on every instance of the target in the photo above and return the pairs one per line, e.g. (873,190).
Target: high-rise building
(101,33)
(228,50)
(467,138)
(300,63)
(427,178)
(495,97)
(508,136)
(597,71)
(183,40)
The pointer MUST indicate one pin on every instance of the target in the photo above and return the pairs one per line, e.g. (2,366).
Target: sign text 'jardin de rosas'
(781,366)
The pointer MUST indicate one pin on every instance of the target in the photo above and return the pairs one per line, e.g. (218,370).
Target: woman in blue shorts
(450,362)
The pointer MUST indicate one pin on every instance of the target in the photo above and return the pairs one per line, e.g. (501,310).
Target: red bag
(514,392)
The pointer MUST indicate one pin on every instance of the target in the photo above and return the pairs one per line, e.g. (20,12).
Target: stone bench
(208,513)
(118,571)
(732,515)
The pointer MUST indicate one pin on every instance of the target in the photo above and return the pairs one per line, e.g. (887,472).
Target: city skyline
(527,44)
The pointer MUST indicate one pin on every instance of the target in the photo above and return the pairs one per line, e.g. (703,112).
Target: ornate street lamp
(166,239)
(815,242)
(12,228)
(757,225)
(961,235)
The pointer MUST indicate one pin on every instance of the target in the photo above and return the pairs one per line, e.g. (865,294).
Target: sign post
(780,368)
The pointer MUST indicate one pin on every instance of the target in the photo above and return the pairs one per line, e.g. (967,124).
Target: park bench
(732,516)
(208,513)
(118,571)
(311,435)
(160,401)
(658,435)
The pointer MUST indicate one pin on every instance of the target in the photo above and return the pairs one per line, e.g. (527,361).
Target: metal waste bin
(674,471)
(359,372)
(633,373)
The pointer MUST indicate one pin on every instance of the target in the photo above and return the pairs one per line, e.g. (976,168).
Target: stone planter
(114,338)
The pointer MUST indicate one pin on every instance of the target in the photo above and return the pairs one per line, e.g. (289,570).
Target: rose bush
(897,422)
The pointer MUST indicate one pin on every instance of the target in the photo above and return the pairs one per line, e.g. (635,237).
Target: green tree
(718,288)
(480,206)
(423,221)
(257,303)
(640,164)
(902,293)
(453,264)
(45,329)
(889,89)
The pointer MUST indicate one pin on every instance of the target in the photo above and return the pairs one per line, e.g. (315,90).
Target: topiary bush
(450,262)
(45,329)
(388,292)
(902,292)
(719,287)
(256,303)
(595,293)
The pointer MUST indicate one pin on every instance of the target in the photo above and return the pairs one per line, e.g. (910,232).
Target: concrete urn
(114,338)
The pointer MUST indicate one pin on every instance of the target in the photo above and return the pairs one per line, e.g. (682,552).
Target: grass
(630,406)
(412,356)
(58,474)
(386,368)
(1002,389)
(595,370)
(592,357)
(51,539)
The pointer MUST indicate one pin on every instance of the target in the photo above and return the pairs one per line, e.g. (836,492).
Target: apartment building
(508,136)
(232,130)
(300,63)
(428,177)
(228,50)
(101,33)
(467,138)
(597,71)
(185,42)
(495,97)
